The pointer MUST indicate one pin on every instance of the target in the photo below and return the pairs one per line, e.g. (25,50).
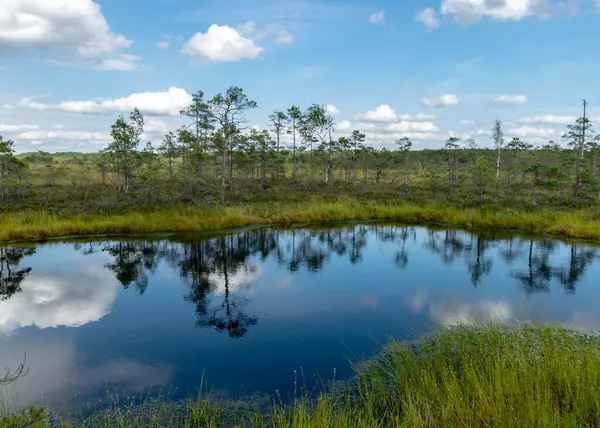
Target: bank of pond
(292,327)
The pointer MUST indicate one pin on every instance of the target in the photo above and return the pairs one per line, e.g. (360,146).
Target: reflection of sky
(68,292)
(78,325)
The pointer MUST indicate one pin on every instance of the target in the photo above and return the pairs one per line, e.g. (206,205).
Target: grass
(470,376)
(39,224)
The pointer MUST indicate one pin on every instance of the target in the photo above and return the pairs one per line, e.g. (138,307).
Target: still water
(248,308)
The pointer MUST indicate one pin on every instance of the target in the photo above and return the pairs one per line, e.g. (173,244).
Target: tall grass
(486,376)
(583,223)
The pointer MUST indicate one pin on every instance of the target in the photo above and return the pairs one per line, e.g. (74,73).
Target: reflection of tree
(579,260)
(229,315)
(539,272)
(449,244)
(218,269)
(400,236)
(206,262)
(510,252)
(11,274)
(480,265)
(132,262)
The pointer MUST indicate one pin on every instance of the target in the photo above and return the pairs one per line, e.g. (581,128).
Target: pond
(251,311)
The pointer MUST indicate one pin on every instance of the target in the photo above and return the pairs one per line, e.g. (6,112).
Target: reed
(40,224)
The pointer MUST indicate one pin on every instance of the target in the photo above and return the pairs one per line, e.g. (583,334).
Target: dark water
(248,309)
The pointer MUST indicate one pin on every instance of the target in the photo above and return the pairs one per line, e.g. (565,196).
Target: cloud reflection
(59,374)
(455,313)
(51,301)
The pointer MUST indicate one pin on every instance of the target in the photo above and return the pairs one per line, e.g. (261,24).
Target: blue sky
(425,69)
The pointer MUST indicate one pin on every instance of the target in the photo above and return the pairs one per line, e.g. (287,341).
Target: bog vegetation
(217,159)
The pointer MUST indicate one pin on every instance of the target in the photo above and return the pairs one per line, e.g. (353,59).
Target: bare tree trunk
(224,171)
(498,166)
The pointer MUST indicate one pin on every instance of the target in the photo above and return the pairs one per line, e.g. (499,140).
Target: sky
(426,69)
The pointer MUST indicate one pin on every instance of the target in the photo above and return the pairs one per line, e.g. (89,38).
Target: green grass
(40,224)
(477,376)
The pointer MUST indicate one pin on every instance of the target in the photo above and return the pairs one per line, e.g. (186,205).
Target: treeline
(216,158)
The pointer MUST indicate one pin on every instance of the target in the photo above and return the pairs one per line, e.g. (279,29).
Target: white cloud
(17,128)
(389,138)
(383,113)
(548,119)
(167,103)
(465,12)
(531,132)
(33,105)
(332,110)
(509,100)
(428,17)
(163,44)
(343,126)
(405,126)
(156,126)
(377,17)
(467,122)
(63,135)
(417,117)
(75,28)
(446,100)
(222,43)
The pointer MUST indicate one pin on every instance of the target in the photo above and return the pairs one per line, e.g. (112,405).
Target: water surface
(248,309)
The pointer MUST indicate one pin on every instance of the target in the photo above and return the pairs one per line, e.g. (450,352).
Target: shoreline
(40,225)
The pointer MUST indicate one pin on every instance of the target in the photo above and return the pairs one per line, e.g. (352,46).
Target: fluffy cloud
(465,12)
(467,122)
(378,134)
(17,128)
(428,17)
(531,132)
(167,103)
(446,100)
(417,117)
(377,17)
(508,100)
(222,43)
(76,28)
(332,110)
(344,125)
(63,135)
(163,44)
(156,126)
(383,113)
(405,126)
(389,138)
(548,119)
